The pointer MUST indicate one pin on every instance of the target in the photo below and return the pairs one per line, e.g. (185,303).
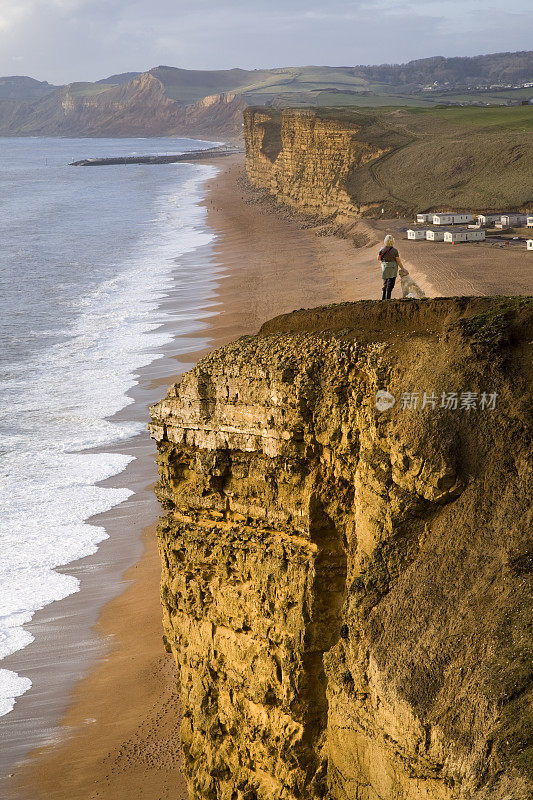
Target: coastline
(99,753)
(121,726)
(66,643)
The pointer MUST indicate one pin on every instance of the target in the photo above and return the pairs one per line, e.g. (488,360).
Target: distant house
(530,244)
(513,219)
(435,236)
(464,236)
(487,219)
(529,222)
(415,234)
(423,218)
(452,219)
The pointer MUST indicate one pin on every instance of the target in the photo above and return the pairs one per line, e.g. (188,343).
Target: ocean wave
(59,406)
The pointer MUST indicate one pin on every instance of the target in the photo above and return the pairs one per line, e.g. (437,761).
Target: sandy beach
(122,725)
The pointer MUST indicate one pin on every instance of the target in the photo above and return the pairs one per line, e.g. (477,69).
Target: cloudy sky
(67,40)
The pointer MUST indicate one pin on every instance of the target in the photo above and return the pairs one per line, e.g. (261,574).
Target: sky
(81,40)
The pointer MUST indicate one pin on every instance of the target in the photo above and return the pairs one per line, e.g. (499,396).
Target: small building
(455,236)
(529,222)
(530,244)
(412,233)
(435,236)
(488,219)
(464,236)
(509,220)
(452,219)
(422,219)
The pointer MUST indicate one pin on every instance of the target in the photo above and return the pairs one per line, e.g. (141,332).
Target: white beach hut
(464,236)
(529,222)
(423,218)
(435,236)
(442,219)
(513,219)
(487,219)
(414,234)
(455,236)
(452,219)
(530,244)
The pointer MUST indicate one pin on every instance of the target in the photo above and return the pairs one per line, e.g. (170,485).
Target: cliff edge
(344,588)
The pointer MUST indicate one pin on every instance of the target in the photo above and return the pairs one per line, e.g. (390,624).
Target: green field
(368,101)
(510,118)
(88,89)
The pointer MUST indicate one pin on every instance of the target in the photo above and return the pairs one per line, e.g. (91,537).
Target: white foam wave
(55,409)
(12,686)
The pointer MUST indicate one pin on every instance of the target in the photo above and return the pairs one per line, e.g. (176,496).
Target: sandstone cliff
(345,589)
(339,162)
(139,107)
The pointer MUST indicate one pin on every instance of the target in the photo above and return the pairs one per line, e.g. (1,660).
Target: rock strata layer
(344,589)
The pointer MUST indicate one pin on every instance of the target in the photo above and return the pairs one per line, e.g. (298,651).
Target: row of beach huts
(472,233)
(483,220)
(463,235)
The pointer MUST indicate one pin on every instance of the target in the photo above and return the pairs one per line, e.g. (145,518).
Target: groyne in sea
(194,155)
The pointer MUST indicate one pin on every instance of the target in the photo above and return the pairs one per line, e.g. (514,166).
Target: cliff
(340,163)
(345,589)
(138,107)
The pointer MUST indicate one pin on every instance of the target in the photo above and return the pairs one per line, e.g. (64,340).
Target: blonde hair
(389,240)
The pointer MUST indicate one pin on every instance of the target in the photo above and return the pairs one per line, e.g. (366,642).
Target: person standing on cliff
(390,263)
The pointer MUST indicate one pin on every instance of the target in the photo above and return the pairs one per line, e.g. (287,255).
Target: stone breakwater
(193,155)
(344,591)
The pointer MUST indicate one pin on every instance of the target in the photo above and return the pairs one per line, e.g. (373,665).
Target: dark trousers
(388,286)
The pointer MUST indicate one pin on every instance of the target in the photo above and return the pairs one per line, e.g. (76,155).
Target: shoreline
(67,642)
(99,753)
(267,262)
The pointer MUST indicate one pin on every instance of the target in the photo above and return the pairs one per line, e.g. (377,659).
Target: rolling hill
(171,101)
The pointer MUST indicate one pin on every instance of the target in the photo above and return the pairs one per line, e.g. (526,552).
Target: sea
(88,256)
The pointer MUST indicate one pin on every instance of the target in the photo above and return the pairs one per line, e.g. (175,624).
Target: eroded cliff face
(305,159)
(345,589)
(138,107)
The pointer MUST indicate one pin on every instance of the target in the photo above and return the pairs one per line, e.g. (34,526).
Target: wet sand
(121,729)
